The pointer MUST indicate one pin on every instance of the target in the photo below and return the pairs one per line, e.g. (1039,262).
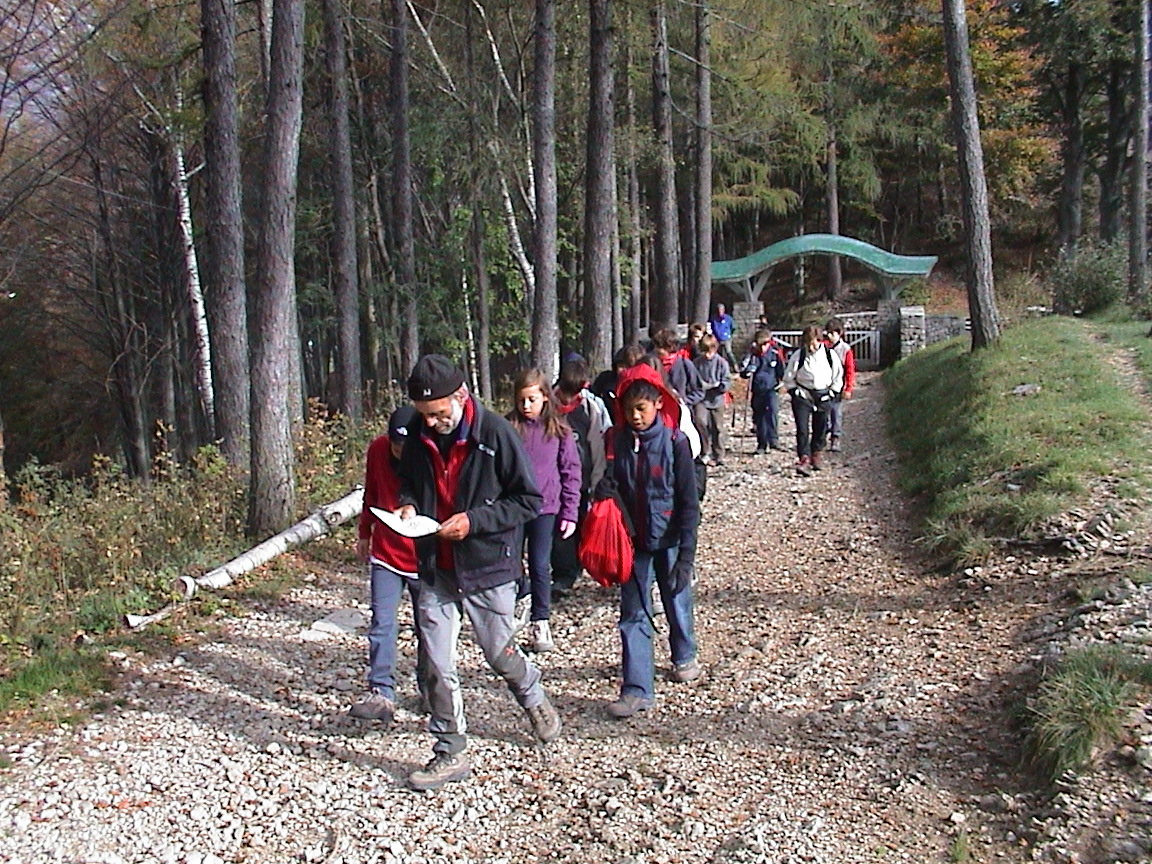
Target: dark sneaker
(627,705)
(816,460)
(834,446)
(545,721)
(775,446)
(444,768)
(804,466)
(760,451)
(373,706)
(685,672)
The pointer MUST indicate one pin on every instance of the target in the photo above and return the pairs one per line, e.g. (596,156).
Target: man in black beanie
(466,467)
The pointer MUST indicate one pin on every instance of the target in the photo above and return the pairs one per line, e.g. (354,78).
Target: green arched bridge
(889,269)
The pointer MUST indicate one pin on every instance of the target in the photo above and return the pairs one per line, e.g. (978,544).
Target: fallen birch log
(317,525)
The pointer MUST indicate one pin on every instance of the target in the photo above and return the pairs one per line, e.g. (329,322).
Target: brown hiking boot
(545,721)
(443,768)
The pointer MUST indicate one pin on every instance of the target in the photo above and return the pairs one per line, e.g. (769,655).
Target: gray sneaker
(545,721)
(540,635)
(443,768)
(373,706)
(685,672)
(627,705)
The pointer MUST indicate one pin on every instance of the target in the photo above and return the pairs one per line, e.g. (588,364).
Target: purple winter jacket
(556,466)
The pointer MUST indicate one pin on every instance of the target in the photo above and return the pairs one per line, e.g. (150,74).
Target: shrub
(1078,709)
(1089,279)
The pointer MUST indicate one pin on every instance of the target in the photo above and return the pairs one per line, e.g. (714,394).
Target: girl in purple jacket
(556,466)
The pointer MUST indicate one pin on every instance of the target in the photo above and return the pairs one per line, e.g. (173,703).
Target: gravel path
(855,708)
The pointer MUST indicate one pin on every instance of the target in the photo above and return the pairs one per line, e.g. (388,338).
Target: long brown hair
(554,425)
(811,336)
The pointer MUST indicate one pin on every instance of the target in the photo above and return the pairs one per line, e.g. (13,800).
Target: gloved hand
(606,488)
(567,529)
(680,577)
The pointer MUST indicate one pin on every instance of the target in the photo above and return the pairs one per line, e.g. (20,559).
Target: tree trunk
(1138,209)
(3,472)
(545,330)
(402,192)
(973,188)
(224,230)
(484,311)
(636,253)
(665,294)
(195,293)
(1115,152)
(318,524)
(344,215)
(600,196)
(702,295)
(1070,216)
(272,490)
(477,229)
(832,201)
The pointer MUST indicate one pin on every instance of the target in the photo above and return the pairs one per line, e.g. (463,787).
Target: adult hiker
(466,468)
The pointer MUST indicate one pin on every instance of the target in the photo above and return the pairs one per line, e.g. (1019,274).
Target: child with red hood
(651,467)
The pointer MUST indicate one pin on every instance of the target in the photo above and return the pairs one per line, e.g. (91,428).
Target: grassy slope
(989,463)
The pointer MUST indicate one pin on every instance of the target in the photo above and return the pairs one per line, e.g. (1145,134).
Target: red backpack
(605,545)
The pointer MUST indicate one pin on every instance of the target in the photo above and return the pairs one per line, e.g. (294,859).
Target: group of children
(643,431)
(818,375)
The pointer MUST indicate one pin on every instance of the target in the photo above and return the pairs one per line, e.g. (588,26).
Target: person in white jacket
(814,377)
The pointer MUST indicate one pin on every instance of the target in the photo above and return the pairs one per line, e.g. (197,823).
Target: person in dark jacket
(466,468)
(681,373)
(765,366)
(589,420)
(651,470)
(605,384)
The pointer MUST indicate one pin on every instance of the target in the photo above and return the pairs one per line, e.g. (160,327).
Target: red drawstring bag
(605,547)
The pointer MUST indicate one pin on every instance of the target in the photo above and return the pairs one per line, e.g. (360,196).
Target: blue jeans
(836,418)
(638,666)
(538,537)
(765,407)
(387,587)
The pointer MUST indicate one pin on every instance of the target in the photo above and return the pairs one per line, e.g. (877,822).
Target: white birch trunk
(317,525)
(195,294)
(518,252)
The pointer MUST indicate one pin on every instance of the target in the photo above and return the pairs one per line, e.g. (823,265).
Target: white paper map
(417,526)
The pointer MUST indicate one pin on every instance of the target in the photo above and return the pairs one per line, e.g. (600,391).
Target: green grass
(78,553)
(990,464)
(65,671)
(1080,707)
(960,851)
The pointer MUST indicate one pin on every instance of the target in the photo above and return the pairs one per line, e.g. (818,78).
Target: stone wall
(941,327)
(744,320)
(913,330)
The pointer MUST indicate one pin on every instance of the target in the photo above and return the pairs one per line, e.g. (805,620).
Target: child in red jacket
(392,567)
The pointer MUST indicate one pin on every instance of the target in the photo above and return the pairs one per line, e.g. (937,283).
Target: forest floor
(857,707)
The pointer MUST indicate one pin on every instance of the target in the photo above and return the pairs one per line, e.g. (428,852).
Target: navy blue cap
(399,422)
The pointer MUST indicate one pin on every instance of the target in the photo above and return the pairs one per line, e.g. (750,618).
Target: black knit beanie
(433,377)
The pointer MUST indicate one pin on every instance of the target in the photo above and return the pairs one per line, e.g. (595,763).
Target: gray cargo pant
(492,613)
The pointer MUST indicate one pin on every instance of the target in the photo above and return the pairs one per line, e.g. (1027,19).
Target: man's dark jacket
(495,488)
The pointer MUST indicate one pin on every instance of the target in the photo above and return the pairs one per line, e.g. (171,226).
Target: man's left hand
(455,527)
(567,528)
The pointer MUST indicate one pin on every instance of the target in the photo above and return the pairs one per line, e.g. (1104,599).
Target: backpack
(605,549)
